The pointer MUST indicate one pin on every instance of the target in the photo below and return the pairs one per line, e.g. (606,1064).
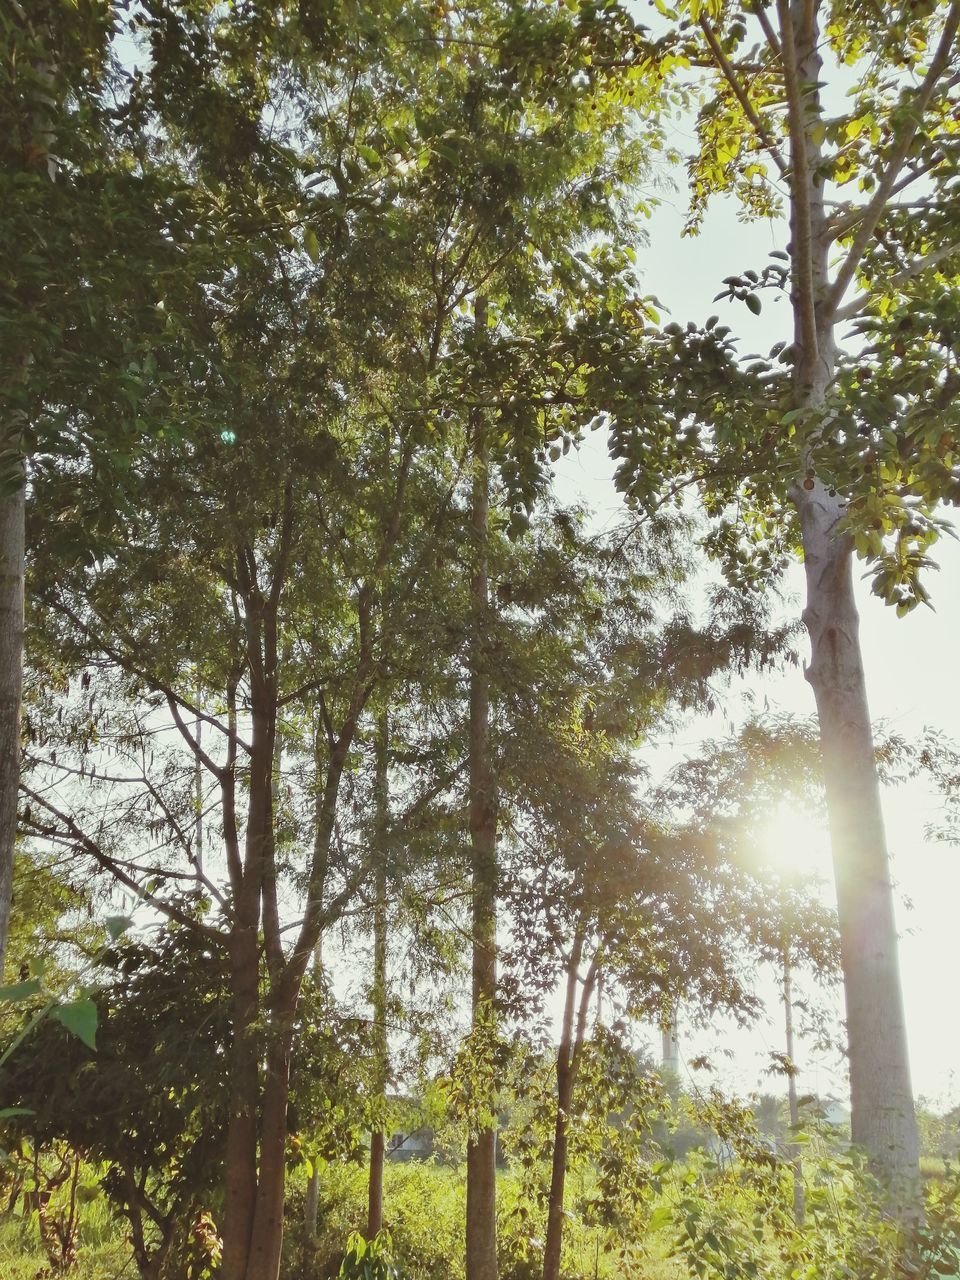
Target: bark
(481,1233)
(266,1239)
(379,992)
(311,1207)
(568,1066)
(12,513)
(883,1119)
(558,1172)
(240,1178)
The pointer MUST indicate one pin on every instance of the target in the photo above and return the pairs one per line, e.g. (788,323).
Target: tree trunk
(240,1178)
(266,1239)
(311,1207)
(481,1235)
(12,514)
(568,1066)
(883,1119)
(380,1046)
(558,1172)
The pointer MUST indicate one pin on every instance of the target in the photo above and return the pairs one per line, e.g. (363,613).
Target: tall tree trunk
(244,1208)
(311,1206)
(240,1178)
(266,1239)
(481,1236)
(380,1046)
(883,1118)
(12,512)
(799,1206)
(883,1121)
(568,1066)
(311,1203)
(558,1172)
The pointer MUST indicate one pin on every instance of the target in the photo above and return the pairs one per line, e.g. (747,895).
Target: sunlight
(793,842)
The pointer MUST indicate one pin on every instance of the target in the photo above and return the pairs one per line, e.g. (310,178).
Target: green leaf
(20,990)
(80,1018)
(311,244)
(753,303)
(117,926)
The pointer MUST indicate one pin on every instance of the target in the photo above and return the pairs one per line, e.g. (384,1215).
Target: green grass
(103,1253)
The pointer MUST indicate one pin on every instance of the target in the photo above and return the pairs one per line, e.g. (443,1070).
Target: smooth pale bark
(12,514)
(380,1048)
(311,1207)
(882,1113)
(799,1206)
(883,1118)
(481,1228)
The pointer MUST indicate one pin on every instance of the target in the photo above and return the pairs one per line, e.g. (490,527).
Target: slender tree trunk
(799,1206)
(240,1178)
(379,992)
(481,1237)
(244,1208)
(558,1172)
(883,1119)
(311,1203)
(12,514)
(311,1207)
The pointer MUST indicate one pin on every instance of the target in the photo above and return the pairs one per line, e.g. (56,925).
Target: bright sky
(911,678)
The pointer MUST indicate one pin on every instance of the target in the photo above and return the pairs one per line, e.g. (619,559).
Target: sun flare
(793,841)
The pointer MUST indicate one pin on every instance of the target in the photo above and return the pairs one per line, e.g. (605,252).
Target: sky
(911,665)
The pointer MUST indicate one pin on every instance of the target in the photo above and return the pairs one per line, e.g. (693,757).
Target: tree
(91,224)
(837,454)
(597,651)
(273,574)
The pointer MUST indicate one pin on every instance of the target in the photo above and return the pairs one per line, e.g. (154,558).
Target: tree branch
(912,269)
(740,93)
(108,863)
(885,187)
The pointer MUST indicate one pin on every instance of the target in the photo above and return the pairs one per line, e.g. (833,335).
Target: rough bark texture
(481,1236)
(266,1238)
(883,1119)
(12,509)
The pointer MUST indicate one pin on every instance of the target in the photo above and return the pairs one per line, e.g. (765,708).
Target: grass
(103,1254)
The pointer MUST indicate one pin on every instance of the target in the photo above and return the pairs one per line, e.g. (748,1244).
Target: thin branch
(767,28)
(740,93)
(886,185)
(912,269)
(107,863)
